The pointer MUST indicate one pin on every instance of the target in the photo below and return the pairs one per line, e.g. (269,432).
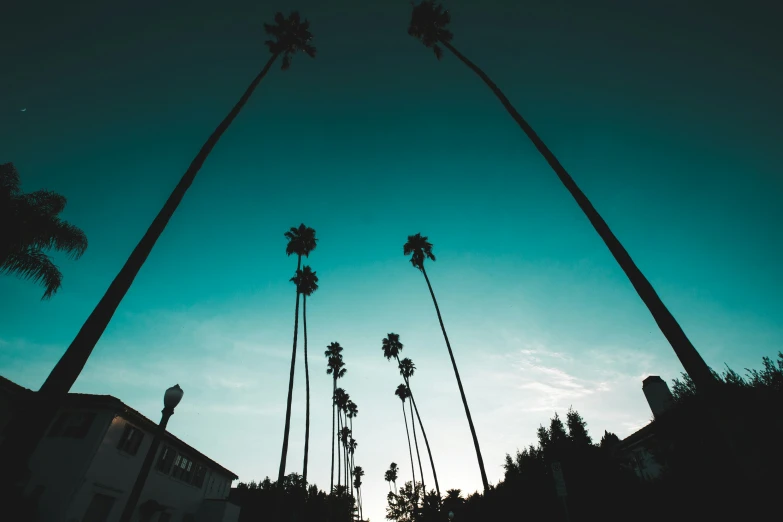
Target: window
(99,508)
(182,468)
(130,440)
(198,475)
(165,460)
(72,424)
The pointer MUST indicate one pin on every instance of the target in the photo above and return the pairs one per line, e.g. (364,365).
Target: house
(638,448)
(86,465)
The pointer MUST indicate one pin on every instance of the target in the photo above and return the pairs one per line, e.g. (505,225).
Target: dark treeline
(295,501)
(699,480)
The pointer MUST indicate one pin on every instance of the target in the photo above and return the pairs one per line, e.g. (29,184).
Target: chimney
(658,395)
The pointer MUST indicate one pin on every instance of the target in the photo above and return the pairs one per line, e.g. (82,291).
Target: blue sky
(667,118)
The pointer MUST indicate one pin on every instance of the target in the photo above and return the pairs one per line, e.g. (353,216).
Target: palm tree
(334,367)
(288,36)
(391,475)
(406,370)
(30,225)
(339,400)
(306,283)
(402,393)
(358,473)
(301,241)
(392,347)
(429,23)
(345,435)
(420,249)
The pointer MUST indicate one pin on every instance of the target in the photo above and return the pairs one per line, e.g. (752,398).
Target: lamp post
(170,400)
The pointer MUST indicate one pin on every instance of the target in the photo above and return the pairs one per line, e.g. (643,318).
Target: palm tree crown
(289,35)
(407,368)
(429,24)
(334,364)
(306,281)
(419,249)
(402,392)
(301,241)
(29,224)
(391,346)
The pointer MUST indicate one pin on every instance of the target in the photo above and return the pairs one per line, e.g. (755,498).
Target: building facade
(86,465)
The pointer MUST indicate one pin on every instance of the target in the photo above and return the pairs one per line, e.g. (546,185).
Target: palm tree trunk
(459,384)
(307,390)
(281,473)
(410,449)
(689,357)
(424,433)
(334,389)
(24,433)
(339,442)
(416,443)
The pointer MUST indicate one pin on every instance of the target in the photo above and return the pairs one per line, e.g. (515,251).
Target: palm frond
(35,265)
(10,184)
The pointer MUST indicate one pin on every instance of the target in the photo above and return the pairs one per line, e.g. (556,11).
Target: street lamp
(451,515)
(170,400)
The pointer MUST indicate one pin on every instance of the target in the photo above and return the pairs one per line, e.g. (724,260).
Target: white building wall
(58,466)
(113,473)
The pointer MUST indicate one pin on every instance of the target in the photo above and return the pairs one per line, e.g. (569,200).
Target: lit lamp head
(172,397)
(451,515)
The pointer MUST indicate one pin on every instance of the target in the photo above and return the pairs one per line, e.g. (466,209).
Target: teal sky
(667,116)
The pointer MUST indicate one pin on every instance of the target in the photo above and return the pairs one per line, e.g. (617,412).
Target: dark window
(73,424)
(165,460)
(182,468)
(99,508)
(198,475)
(131,440)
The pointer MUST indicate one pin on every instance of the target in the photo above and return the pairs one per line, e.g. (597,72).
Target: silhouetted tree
(392,347)
(339,399)
(402,393)
(335,368)
(429,24)
(288,36)
(403,507)
(306,283)
(358,473)
(420,249)
(30,224)
(301,241)
(298,502)
(407,368)
(391,475)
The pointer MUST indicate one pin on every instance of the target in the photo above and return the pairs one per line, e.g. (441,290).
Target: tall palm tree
(301,241)
(402,393)
(358,473)
(339,400)
(334,367)
(429,24)
(420,249)
(392,347)
(392,475)
(406,370)
(306,283)
(287,37)
(345,435)
(30,224)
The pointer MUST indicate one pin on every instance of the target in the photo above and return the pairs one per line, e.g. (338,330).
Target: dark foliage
(29,225)
(294,501)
